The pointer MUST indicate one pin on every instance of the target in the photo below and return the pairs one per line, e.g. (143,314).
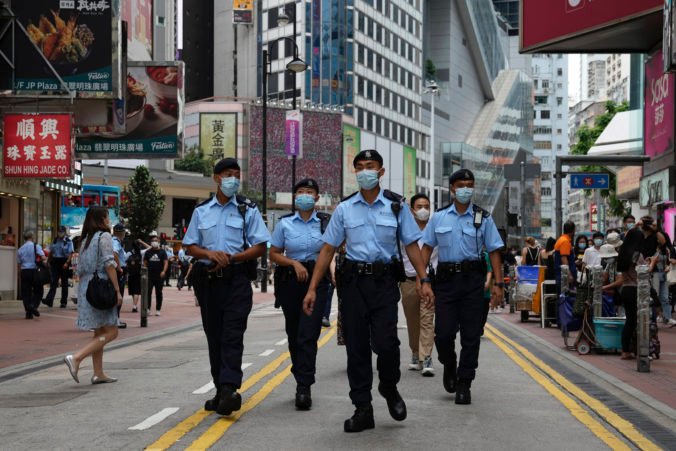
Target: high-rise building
(596,80)
(618,74)
(509,9)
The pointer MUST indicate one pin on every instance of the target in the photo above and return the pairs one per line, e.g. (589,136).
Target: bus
(74,208)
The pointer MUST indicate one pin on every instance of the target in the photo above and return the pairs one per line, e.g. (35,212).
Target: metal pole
(432,152)
(643,326)
(558,214)
(234,63)
(105,171)
(293,106)
(597,296)
(144,297)
(522,190)
(264,206)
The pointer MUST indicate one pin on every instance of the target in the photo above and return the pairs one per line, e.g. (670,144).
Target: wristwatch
(500,284)
(425,280)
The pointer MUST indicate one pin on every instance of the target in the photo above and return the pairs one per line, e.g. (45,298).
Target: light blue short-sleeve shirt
(61,248)
(370,230)
(457,237)
(25,255)
(301,240)
(120,252)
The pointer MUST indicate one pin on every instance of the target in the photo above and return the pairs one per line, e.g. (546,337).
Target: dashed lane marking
(246,365)
(282,342)
(266,353)
(154,419)
(206,388)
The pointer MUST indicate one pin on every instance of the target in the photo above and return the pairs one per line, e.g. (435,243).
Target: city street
(521,400)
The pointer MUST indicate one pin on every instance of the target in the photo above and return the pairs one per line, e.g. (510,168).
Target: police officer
(462,231)
(295,245)
(59,258)
(26,259)
(226,234)
(370,222)
(120,254)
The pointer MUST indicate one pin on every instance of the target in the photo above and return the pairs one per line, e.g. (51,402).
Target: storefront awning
(623,136)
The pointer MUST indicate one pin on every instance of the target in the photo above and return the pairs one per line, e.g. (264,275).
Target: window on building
(369,60)
(542,144)
(273,15)
(545,114)
(289,80)
(540,100)
(378,94)
(360,86)
(369,27)
(559,101)
(378,125)
(379,33)
(379,64)
(535,83)
(273,83)
(559,116)
(387,98)
(369,90)
(559,147)
(545,84)
(369,121)
(559,131)
(559,72)
(360,54)
(546,191)
(542,131)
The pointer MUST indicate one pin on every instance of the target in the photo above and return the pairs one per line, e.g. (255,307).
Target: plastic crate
(609,332)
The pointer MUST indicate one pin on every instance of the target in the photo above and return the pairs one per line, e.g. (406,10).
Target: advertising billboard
(409,171)
(218,135)
(38,146)
(79,39)
(351,147)
(658,108)
(154,109)
(242,11)
(139,17)
(546,24)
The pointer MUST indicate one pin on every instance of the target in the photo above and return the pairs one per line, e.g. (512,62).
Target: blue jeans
(327,306)
(660,285)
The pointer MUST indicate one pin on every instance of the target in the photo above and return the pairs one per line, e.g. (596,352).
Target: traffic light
(178,232)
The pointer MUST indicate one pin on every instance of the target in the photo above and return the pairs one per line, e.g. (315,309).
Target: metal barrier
(643,317)
(512,289)
(597,295)
(565,272)
(144,297)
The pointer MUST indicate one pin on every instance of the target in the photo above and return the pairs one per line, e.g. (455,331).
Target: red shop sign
(38,146)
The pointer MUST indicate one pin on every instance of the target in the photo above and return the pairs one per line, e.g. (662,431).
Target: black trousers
(59,274)
(369,313)
(629,299)
(31,292)
(157,284)
(460,305)
(302,331)
(228,304)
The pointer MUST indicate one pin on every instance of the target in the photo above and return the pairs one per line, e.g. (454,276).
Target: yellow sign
(218,135)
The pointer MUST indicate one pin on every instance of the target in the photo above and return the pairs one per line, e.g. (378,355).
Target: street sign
(589,181)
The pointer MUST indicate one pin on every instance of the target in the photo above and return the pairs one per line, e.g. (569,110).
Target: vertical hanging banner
(218,135)
(293,134)
(38,146)
(410,166)
(242,12)
(659,107)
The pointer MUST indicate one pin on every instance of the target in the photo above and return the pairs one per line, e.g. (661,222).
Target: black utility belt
(377,269)
(287,272)
(447,268)
(225,273)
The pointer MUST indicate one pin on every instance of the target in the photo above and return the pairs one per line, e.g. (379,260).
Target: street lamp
(432,88)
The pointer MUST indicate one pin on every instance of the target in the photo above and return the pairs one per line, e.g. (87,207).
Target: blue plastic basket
(609,332)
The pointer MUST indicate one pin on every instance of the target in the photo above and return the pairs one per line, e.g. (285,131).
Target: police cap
(368,155)
(226,163)
(306,183)
(119,227)
(461,174)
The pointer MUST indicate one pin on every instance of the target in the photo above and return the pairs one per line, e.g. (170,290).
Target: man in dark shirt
(156,260)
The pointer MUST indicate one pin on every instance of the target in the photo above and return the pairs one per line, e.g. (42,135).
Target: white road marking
(281,342)
(206,388)
(154,419)
(246,365)
(266,353)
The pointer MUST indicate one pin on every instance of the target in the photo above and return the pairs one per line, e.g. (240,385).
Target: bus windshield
(74,208)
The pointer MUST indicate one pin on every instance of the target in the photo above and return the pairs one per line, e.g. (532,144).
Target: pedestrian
(60,253)
(226,235)
(294,247)
(628,223)
(592,255)
(564,255)
(121,255)
(626,280)
(27,258)
(547,258)
(134,263)
(419,317)
(96,256)
(370,222)
(171,259)
(184,266)
(581,245)
(660,265)
(157,262)
(530,254)
(462,231)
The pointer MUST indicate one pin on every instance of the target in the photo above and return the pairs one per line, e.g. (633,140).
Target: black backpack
(134,264)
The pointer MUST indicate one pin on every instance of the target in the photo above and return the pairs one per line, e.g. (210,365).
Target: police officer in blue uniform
(462,231)
(370,222)
(119,232)
(295,245)
(226,235)
(59,259)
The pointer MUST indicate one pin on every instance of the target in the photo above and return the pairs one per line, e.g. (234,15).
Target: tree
(586,138)
(194,161)
(430,70)
(143,203)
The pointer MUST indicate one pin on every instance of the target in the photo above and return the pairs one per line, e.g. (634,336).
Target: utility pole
(523,202)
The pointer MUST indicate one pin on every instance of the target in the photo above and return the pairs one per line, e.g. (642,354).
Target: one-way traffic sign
(589,181)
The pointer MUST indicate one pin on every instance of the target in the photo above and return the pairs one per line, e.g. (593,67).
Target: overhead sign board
(654,189)
(589,181)
(242,12)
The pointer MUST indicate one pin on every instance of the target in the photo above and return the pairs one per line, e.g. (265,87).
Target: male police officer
(461,230)
(226,233)
(369,222)
(60,253)
(120,254)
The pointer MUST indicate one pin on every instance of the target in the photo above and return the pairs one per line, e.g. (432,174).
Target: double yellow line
(562,389)
(218,429)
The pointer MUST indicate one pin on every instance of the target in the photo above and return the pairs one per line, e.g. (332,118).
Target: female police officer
(370,221)
(224,233)
(300,235)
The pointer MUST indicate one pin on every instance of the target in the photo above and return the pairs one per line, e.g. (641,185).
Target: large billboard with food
(75,41)
(154,109)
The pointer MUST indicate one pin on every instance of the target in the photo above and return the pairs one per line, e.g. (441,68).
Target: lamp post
(432,88)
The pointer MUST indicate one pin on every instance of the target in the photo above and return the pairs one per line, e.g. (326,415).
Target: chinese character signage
(659,107)
(79,39)
(410,166)
(38,146)
(242,11)
(218,135)
(154,115)
(293,134)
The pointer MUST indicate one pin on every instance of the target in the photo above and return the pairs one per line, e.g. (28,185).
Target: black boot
(303,397)
(395,403)
(361,420)
(211,404)
(449,378)
(229,401)
(464,394)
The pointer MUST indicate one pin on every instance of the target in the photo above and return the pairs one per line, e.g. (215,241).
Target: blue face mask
(464,195)
(367,179)
(582,245)
(229,186)
(305,202)
(598,242)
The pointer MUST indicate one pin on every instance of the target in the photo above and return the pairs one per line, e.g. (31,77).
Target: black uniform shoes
(361,420)
(211,404)
(229,401)
(395,403)
(303,398)
(449,378)
(463,394)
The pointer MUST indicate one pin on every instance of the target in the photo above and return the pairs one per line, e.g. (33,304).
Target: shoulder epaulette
(323,216)
(204,202)
(444,208)
(349,197)
(394,197)
(287,216)
(483,212)
(246,201)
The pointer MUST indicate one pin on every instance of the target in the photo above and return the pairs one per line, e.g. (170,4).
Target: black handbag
(42,274)
(101,292)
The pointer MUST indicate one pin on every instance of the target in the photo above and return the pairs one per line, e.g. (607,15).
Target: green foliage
(194,161)
(430,70)
(586,138)
(143,203)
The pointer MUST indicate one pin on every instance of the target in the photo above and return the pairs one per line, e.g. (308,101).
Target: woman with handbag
(98,294)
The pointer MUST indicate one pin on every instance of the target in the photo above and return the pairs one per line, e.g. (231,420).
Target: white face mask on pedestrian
(155,244)
(422,215)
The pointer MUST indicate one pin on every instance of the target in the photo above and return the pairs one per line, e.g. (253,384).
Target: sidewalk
(659,383)
(54,332)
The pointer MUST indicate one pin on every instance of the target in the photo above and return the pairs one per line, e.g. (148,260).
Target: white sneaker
(415,365)
(428,369)
(157,313)
(671,322)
